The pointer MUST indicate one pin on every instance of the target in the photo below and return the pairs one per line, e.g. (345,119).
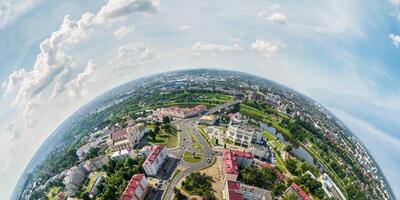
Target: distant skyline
(58,55)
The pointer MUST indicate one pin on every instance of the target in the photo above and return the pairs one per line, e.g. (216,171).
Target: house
(243,135)
(238,191)
(137,188)
(231,160)
(155,160)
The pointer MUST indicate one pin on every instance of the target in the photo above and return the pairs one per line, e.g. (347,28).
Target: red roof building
(136,189)
(155,160)
(300,192)
(231,159)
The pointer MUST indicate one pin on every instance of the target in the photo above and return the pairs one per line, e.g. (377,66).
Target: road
(186,145)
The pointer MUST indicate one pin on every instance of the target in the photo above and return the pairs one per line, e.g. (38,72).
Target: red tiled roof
(300,192)
(132,186)
(242,154)
(154,154)
(119,133)
(232,188)
(266,165)
(229,165)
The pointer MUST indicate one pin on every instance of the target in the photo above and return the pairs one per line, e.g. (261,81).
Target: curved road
(186,144)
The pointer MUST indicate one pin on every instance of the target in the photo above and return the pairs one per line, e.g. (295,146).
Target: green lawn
(170,140)
(188,157)
(274,141)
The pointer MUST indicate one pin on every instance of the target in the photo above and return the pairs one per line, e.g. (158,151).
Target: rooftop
(154,154)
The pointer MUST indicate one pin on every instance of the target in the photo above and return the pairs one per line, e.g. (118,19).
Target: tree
(152,134)
(156,130)
(166,120)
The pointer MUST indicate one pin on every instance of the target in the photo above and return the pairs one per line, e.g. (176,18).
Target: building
(243,135)
(295,189)
(230,162)
(126,138)
(137,188)
(83,151)
(155,160)
(330,188)
(74,178)
(208,120)
(181,113)
(260,151)
(236,118)
(238,191)
(120,155)
(95,163)
(94,188)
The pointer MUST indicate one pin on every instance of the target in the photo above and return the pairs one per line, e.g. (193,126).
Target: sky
(57,55)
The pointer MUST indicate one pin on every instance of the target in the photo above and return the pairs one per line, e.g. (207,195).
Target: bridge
(223,106)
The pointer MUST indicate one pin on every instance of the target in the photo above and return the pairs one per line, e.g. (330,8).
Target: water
(298,151)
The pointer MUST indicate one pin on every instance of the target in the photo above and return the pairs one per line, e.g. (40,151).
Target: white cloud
(277,18)
(120,8)
(210,47)
(53,64)
(395,39)
(77,85)
(123,31)
(132,54)
(11,10)
(266,48)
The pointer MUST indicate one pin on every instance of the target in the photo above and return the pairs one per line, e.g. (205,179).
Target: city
(206,134)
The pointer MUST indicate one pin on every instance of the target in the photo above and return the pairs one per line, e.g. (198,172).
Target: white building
(120,155)
(136,189)
(259,151)
(330,188)
(243,135)
(74,178)
(155,160)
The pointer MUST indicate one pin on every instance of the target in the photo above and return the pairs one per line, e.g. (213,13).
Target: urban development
(208,134)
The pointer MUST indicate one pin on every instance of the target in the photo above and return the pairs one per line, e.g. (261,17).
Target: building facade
(243,135)
(137,188)
(126,138)
(155,160)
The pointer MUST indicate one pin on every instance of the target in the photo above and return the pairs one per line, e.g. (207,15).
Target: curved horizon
(57,56)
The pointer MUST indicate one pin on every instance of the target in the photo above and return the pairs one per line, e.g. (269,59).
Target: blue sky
(56,55)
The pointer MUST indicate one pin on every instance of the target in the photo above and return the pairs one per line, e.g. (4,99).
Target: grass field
(170,140)
(188,157)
